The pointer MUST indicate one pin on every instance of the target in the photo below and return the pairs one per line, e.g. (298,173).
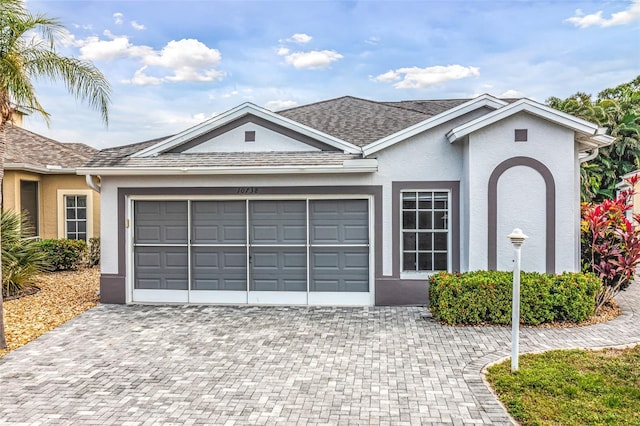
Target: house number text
(247,190)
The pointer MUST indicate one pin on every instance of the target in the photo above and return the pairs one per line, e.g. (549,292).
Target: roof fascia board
(479,102)
(348,166)
(38,169)
(531,107)
(246,108)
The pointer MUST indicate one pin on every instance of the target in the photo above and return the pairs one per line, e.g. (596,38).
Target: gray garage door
(252,251)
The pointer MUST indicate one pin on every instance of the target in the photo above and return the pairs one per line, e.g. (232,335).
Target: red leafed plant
(611,243)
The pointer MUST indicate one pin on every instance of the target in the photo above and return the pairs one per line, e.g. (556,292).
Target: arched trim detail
(492,248)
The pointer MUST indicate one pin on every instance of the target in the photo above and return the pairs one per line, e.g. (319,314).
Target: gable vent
(250,136)
(521,135)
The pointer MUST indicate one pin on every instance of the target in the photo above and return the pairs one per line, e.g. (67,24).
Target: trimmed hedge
(64,254)
(485,297)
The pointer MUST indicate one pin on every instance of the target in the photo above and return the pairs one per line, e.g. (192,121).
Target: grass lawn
(574,387)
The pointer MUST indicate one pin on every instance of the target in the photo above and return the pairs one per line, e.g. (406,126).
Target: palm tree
(27,52)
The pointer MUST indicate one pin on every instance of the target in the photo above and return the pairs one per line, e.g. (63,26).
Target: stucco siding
(265,140)
(547,143)
(522,204)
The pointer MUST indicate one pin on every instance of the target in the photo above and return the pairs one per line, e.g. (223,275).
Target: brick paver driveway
(267,365)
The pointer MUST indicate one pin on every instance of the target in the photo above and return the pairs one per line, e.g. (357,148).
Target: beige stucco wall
(51,188)
(11,187)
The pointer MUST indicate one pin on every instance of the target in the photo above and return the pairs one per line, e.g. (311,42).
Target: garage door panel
(278,269)
(218,222)
(160,222)
(339,221)
(219,235)
(219,268)
(161,268)
(278,222)
(343,269)
(327,234)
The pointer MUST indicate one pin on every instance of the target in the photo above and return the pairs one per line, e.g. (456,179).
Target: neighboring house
(342,202)
(40,178)
(635,200)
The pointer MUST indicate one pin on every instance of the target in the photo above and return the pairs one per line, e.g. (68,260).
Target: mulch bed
(62,296)
(609,311)
(26,291)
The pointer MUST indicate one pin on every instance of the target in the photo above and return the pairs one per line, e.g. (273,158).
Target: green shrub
(485,297)
(94,252)
(64,254)
(21,258)
(574,296)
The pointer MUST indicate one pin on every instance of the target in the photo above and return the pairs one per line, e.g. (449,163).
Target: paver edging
(474,373)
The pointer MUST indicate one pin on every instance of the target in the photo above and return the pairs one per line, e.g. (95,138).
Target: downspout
(594,154)
(92,184)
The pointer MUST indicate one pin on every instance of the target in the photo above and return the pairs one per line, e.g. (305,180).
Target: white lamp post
(517,237)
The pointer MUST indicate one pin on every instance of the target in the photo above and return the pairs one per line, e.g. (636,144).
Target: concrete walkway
(264,365)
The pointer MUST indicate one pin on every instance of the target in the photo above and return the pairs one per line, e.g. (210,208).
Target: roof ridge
(327,101)
(389,103)
(131,145)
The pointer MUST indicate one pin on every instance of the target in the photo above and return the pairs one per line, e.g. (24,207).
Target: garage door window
(425,231)
(310,245)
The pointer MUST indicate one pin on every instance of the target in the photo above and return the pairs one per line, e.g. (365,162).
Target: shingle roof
(238,159)
(117,155)
(361,121)
(354,120)
(25,147)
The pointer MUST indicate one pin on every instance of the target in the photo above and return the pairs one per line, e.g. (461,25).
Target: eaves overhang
(472,105)
(368,165)
(242,110)
(43,170)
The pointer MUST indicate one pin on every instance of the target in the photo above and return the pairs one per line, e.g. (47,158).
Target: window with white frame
(425,231)
(75,217)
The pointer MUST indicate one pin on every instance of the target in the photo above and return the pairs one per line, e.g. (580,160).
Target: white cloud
(189,59)
(83,26)
(299,38)
(230,94)
(118,18)
(141,79)
(373,40)
(417,78)
(511,93)
(137,26)
(95,49)
(283,51)
(630,14)
(186,59)
(178,121)
(388,77)
(280,105)
(315,59)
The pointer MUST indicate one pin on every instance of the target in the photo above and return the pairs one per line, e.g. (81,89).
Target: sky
(174,64)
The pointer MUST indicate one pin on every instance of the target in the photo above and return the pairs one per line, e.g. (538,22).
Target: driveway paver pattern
(139,365)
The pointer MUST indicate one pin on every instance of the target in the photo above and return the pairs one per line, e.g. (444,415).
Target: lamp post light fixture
(517,238)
